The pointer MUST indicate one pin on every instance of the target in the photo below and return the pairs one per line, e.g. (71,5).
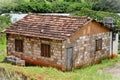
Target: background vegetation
(61,6)
(97,9)
(91,8)
(107,5)
(4,23)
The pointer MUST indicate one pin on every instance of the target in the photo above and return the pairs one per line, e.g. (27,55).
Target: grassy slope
(88,73)
(2,48)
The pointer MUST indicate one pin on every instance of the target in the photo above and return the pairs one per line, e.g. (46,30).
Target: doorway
(69,58)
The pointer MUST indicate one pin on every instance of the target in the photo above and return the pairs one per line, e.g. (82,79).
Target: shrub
(107,5)
(99,15)
(4,23)
(34,7)
(59,7)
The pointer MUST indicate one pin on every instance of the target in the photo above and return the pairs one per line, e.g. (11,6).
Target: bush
(59,7)
(74,7)
(54,6)
(34,7)
(107,5)
(4,23)
(99,15)
(7,5)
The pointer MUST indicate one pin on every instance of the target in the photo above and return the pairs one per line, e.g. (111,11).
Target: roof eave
(60,39)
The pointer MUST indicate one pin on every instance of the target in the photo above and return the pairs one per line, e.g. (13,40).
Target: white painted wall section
(115,45)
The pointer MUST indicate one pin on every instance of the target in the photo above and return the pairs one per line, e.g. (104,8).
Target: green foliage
(107,5)
(99,15)
(59,7)
(74,7)
(34,7)
(5,19)
(6,5)
(86,4)
(42,7)
(93,1)
(4,23)
(53,0)
(9,5)
(2,52)
(73,0)
(78,6)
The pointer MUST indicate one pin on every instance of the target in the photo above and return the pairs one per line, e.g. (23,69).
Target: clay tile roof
(47,26)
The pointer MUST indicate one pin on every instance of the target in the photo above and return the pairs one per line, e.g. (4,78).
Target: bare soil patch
(113,70)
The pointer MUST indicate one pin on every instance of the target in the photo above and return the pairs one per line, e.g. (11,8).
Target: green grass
(88,73)
(2,49)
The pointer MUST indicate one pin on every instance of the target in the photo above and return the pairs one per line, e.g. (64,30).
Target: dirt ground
(113,70)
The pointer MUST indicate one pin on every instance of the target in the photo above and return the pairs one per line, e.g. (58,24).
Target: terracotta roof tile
(47,26)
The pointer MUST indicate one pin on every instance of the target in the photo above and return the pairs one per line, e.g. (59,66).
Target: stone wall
(84,52)
(32,50)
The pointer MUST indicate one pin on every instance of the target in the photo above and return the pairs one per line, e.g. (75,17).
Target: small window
(45,50)
(98,44)
(18,45)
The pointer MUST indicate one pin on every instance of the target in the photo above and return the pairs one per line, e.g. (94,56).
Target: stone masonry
(84,52)
(32,50)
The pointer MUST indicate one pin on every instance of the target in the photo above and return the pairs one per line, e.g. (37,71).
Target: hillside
(97,9)
(43,6)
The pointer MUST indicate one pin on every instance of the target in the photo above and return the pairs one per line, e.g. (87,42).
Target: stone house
(63,42)
(115,34)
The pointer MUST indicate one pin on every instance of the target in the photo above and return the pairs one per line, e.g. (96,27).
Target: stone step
(14,60)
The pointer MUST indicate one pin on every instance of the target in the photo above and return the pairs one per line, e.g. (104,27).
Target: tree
(73,0)
(59,7)
(107,5)
(34,7)
(92,0)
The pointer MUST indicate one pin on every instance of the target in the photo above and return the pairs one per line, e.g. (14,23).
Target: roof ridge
(77,17)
